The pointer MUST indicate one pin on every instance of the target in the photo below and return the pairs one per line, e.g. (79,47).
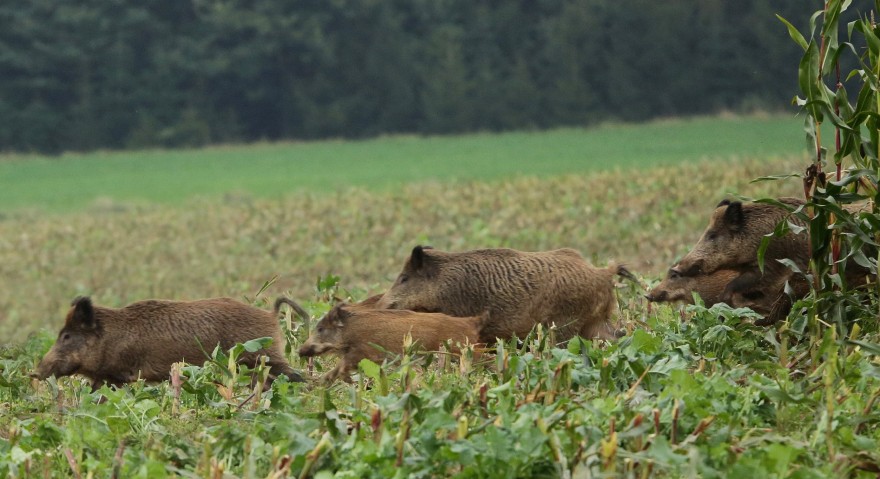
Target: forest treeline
(129,74)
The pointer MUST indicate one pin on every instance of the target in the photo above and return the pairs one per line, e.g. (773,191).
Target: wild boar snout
(307,350)
(53,366)
(316,348)
(655,296)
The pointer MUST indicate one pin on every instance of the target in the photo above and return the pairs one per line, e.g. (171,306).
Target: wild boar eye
(65,337)
(711,237)
(403,279)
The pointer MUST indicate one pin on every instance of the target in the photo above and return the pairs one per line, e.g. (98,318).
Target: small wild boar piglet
(353,332)
(143,339)
(712,288)
(518,289)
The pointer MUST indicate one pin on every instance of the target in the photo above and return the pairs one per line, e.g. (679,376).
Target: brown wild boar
(353,332)
(143,339)
(732,240)
(734,235)
(518,289)
(712,289)
(676,287)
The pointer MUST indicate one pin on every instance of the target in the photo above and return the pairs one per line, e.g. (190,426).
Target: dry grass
(230,247)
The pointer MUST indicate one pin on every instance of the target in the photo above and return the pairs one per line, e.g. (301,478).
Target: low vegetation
(694,392)
(701,394)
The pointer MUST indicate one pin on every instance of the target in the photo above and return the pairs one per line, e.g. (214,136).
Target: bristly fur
(143,339)
(518,289)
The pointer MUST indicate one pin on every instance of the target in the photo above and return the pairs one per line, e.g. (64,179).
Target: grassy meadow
(72,182)
(690,392)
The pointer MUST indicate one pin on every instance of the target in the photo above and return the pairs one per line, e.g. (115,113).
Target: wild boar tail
(620,270)
(293,304)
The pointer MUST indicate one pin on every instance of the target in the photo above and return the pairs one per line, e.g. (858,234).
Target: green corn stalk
(838,237)
(830,377)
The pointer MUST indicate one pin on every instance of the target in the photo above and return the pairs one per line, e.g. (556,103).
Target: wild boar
(732,240)
(734,235)
(354,332)
(143,339)
(518,289)
(713,289)
(676,287)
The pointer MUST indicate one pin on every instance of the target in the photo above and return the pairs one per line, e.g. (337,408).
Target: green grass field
(75,181)
(695,392)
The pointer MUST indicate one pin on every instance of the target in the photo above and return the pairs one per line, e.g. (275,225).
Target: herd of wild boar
(460,299)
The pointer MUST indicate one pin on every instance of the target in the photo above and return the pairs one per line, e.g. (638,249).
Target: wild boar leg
(342,369)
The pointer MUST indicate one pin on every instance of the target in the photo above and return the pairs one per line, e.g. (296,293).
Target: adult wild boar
(518,289)
(143,339)
(732,240)
(734,235)
(354,332)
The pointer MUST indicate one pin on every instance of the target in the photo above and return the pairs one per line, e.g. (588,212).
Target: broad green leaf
(257,344)
(794,33)
(370,369)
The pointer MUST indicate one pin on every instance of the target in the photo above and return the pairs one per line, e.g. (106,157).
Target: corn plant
(840,185)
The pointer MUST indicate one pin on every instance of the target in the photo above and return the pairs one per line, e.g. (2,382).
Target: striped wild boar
(143,339)
(353,332)
(518,290)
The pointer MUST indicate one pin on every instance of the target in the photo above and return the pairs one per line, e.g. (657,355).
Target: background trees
(117,74)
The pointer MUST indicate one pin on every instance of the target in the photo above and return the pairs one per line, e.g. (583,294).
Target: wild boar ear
(83,312)
(734,216)
(724,202)
(417,258)
(340,317)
